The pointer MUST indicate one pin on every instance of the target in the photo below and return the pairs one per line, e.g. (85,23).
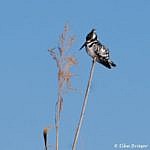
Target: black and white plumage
(95,49)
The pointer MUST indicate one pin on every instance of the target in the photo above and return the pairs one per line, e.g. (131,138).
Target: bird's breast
(90,51)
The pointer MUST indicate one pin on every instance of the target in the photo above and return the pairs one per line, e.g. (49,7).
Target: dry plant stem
(57,121)
(57,126)
(83,106)
(57,129)
(64,62)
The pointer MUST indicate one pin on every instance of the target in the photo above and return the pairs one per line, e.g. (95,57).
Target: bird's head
(91,36)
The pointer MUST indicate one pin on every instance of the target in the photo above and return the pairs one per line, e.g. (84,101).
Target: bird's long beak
(82,46)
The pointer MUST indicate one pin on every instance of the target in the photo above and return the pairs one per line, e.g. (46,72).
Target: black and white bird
(97,50)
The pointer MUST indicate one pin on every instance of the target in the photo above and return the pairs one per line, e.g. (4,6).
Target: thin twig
(57,119)
(83,106)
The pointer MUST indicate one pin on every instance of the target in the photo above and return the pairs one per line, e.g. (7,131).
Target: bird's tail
(107,63)
(112,64)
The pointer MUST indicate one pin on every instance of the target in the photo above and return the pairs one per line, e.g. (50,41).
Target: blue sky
(119,100)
